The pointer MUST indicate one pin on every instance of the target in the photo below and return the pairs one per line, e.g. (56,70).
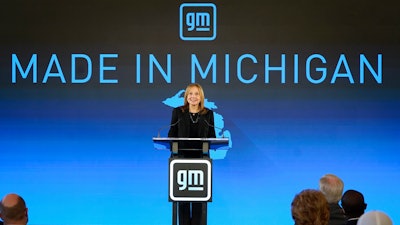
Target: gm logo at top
(198,21)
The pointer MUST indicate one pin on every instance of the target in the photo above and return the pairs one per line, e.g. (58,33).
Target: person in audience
(310,207)
(13,210)
(375,217)
(353,205)
(332,187)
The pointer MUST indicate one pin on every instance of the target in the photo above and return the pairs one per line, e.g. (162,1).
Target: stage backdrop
(301,88)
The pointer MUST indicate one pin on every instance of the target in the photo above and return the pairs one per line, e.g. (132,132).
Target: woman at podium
(192,120)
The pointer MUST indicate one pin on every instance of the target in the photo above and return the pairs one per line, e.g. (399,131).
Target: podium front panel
(190,179)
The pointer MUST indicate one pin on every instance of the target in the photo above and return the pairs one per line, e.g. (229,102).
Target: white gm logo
(190,180)
(198,21)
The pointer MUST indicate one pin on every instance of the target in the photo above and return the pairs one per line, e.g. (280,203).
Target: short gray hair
(332,187)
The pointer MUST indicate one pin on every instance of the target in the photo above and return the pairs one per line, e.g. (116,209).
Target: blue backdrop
(82,153)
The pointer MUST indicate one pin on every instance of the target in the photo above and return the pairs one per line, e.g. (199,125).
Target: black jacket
(337,216)
(180,124)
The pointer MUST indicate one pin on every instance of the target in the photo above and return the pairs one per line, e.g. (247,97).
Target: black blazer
(180,124)
(351,222)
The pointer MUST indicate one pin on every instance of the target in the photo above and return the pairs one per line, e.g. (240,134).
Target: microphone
(171,125)
(214,127)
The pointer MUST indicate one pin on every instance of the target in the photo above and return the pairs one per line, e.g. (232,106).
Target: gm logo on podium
(198,21)
(190,179)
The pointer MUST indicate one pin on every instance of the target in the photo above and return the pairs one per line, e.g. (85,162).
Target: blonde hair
(202,109)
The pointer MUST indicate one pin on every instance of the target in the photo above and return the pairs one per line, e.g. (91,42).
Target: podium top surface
(162,143)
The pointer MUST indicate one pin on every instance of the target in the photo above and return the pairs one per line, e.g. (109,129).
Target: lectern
(190,179)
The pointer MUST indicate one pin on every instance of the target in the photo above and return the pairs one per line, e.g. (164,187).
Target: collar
(356,218)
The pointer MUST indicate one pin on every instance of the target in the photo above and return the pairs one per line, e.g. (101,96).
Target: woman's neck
(194,108)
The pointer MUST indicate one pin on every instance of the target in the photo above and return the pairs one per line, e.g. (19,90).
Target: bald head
(375,218)
(13,209)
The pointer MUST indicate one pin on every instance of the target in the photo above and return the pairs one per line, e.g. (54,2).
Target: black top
(197,125)
(183,124)
(337,216)
(352,221)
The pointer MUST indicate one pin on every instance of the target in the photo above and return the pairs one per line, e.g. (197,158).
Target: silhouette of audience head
(332,187)
(310,207)
(374,218)
(13,210)
(353,203)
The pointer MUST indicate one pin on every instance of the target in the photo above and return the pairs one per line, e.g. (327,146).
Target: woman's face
(193,96)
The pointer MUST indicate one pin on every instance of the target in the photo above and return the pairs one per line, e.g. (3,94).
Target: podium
(190,178)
